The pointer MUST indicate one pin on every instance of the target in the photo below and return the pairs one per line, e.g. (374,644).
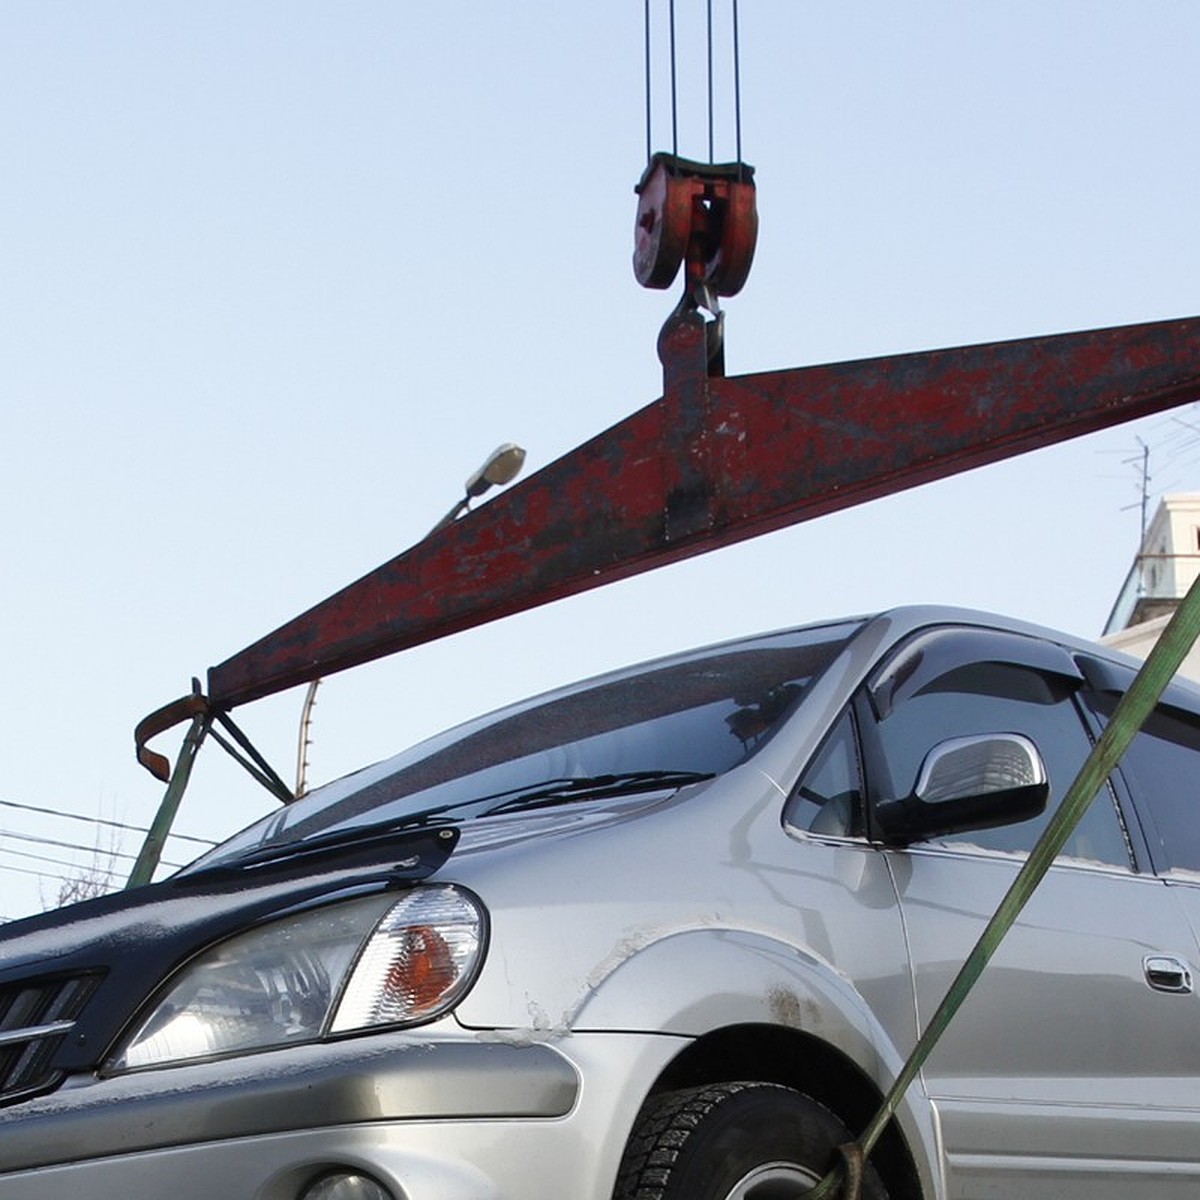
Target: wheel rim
(774,1181)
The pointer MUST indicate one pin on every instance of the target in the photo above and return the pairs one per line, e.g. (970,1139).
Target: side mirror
(969,783)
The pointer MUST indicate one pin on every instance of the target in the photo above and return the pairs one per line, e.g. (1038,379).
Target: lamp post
(502,466)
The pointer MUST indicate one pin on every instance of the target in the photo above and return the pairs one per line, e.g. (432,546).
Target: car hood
(129,942)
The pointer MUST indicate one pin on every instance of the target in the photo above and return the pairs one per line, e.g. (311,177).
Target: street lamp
(502,466)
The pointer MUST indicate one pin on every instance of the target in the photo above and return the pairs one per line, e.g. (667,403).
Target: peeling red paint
(717,460)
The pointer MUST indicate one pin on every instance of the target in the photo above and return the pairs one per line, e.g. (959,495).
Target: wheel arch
(753,1008)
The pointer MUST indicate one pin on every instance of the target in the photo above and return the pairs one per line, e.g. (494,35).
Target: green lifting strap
(1130,714)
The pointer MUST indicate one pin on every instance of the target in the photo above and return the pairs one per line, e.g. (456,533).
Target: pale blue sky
(275,277)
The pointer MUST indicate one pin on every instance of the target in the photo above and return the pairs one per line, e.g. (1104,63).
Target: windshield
(692,715)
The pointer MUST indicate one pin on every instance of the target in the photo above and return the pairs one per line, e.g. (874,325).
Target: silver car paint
(623,930)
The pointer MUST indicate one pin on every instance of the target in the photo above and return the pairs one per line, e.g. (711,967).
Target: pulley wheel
(663,223)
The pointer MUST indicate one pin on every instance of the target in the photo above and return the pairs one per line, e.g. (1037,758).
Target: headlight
(338,969)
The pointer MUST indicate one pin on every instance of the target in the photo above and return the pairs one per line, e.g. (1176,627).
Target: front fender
(695,982)
(692,982)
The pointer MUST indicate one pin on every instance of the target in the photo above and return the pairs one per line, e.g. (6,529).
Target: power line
(58,862)
(53,812)
(39,874)
(44,841)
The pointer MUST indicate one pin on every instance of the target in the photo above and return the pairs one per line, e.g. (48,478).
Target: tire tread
(661,1132)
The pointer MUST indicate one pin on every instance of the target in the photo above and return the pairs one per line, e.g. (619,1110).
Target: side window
(1162,766)
(828,798)
(983,697)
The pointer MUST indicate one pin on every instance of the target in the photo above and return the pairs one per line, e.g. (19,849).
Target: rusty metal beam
(717,460)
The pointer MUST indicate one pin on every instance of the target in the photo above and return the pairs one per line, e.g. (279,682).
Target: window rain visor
(700,713)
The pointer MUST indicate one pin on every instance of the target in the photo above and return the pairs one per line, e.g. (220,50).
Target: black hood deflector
(136,939)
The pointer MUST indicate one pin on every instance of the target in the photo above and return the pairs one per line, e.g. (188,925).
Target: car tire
(733,1141)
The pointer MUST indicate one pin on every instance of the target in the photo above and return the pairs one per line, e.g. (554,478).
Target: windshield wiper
(536,795)
(595,787)
(323,843)
(369,833)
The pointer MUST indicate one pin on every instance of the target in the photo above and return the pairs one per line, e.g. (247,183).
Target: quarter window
(828,798)
(1163,766)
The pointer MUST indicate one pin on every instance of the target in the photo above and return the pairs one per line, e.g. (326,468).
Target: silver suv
(667,933)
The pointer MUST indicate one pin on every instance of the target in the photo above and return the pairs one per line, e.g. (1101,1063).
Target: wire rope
(674,93)
(649,141)
(710,82)
(737,89)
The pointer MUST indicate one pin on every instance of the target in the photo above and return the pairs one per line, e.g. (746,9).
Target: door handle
(1167,973)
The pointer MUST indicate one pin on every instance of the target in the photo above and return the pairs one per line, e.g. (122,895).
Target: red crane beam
(717,460)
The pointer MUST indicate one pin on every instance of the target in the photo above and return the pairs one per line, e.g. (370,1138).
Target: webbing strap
(1128,717)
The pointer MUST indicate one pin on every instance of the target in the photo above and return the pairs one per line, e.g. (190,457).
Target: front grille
(35,1017)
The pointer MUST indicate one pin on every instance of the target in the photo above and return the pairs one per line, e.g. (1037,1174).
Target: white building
(1165,567)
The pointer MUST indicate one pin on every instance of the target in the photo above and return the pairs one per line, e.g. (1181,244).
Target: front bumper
(437,1119)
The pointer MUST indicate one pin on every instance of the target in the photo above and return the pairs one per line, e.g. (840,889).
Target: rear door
(1066,1072)
(1162,772)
